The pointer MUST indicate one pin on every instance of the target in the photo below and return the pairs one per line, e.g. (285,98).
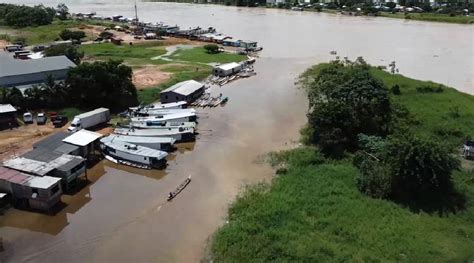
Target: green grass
(199,55)
(431,17)
(180,73)
(313,212)
(135,55)
(69,112)
(448,115)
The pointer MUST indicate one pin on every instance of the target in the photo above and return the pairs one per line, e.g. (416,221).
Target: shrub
(396,90)
(211,48)
(72,35)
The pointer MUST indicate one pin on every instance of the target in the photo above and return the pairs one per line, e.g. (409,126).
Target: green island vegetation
(379,177)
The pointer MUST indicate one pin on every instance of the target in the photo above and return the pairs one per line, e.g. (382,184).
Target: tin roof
(82,137)
(29,166)
(20,178)
(15,67)
(40,162)
(44,182)
(55,143)
(185,87)
(5,108)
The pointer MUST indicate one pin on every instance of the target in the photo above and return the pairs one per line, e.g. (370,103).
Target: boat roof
(92,112)
(165,117)
(167,111)
(185,87)
(138,139)
(150,132)
(229,66)
(133,149)
(82,137)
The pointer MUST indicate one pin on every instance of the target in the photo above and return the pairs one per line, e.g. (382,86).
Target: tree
(421,169)
(22,16)
(346,100)
(102,84)
(391,5)
(106,35)
(14,97)
(67,34)
(63,11)
(70,51)
(211,48)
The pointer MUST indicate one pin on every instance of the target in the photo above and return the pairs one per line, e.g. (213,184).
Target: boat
(161,125)
(176,117)
(132,154)
(157,143)
(154,112)
(179,134)
(171,105)
(178,189)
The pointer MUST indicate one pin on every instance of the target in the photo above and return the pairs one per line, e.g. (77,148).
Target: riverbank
(425,16)
(313,210)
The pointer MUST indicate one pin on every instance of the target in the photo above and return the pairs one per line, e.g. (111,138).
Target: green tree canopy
(70,51)
(67,34)
(102,84)
(345,100)
(63,11)
(22,16)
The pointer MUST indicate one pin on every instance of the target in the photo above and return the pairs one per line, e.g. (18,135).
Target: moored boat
(179,134)
(161,125)
(157,143)
(132,154)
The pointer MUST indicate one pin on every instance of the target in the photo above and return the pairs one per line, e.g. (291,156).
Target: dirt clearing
(149,76)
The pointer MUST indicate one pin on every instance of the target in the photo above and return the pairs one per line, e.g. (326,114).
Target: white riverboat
(157,143)
(179,134)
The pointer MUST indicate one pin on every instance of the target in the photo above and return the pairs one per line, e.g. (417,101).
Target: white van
(27,117)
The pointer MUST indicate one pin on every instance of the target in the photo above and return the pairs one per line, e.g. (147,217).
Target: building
(25,73)
(41,162)
(187,91)
(86,141)
(228,69)
(7,116)
(35,192)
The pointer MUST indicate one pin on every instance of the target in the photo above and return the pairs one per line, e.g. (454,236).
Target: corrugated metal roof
(185,88)
(44,182)
(29,166)
(229,66)
(16,67)
(55,143)
(82,137)
(40,162)
(5,108)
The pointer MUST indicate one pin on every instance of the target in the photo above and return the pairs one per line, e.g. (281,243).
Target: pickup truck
(59,121)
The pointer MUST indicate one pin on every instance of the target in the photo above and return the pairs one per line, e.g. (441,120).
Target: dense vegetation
(68,50)
(22,16)
(397,194)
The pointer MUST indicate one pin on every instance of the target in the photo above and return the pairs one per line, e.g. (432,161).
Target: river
(122,216)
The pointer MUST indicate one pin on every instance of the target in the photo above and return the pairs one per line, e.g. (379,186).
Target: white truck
(89,119)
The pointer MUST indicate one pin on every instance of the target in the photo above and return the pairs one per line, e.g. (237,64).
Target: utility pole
(136,17)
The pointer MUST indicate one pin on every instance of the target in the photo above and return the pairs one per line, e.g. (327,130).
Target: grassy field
(313,211)
(135,55)
(180,73)
(432,17)
(199,55)
(48,33)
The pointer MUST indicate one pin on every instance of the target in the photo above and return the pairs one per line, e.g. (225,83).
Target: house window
(144,158)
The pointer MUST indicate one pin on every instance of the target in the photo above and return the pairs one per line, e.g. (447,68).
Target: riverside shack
(228,69)
(41,193)
(187,91)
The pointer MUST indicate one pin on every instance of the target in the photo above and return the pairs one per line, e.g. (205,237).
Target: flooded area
(123,216)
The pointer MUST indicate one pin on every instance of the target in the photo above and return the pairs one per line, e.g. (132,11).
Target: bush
(72,35)
(211,48)
(374,179)
(396,90)
(67,50)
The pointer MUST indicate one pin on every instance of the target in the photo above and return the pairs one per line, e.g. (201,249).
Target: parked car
(60,121)
(27,117)
(41,118)
(52,115)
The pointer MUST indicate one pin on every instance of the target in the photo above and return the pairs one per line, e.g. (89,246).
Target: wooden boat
(225,100)
(179,134)
(178,189)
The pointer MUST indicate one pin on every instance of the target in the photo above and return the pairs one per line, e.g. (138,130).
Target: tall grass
(199,55)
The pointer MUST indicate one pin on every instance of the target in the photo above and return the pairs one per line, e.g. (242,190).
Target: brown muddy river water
(122,216)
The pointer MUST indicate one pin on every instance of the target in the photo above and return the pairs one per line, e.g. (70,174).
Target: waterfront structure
(187,91)
(228,69)
(41,162)
(7,116)
(23,74)
(54,143)
(41,193)
(85,140)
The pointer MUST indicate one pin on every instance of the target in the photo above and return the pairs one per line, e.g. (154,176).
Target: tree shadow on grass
(442,204)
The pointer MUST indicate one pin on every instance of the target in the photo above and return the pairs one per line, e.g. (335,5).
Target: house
(41,162)
(187,91)
(23,74)
(227,69)
(231,43)
(41,193)
(7,116)
(248,45)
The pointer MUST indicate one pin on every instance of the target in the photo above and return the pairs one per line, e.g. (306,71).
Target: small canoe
(179,189)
